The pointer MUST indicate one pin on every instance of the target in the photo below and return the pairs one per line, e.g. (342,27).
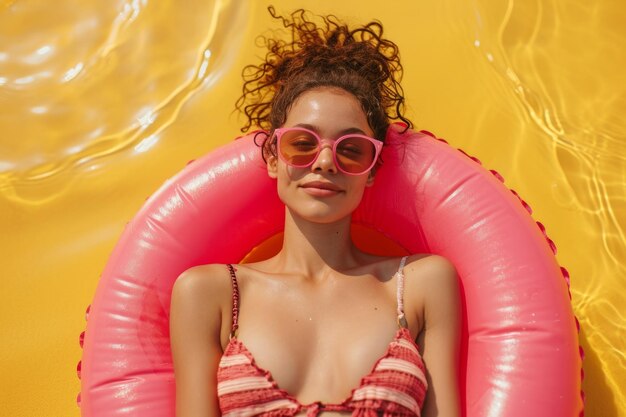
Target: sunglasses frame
(378,146)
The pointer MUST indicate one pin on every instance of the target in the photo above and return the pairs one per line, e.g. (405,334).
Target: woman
(312,329)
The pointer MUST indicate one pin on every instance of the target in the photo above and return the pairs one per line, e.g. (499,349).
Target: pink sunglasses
(353,154)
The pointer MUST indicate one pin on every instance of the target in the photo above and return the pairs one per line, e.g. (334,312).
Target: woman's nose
(324,160)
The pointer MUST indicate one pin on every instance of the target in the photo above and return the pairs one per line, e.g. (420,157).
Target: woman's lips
(321,188)
(320,192)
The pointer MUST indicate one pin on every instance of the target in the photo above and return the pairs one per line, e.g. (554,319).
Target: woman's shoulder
(431,288)
(202,294)
(207,274)
(208,284)
(432,278)
(418,265)
(426,265)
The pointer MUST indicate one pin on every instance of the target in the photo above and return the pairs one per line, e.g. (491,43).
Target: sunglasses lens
(298,147)
(355,154)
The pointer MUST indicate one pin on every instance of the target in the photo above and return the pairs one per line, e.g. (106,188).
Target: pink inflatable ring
(520,353)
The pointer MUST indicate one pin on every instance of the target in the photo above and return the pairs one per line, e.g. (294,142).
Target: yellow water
(102,101)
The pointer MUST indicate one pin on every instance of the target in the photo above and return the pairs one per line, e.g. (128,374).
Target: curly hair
(359,61)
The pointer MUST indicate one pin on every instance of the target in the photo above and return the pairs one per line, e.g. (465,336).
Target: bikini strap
(400,294)
(235,314)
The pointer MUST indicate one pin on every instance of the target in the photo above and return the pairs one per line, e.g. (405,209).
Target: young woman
(321,327)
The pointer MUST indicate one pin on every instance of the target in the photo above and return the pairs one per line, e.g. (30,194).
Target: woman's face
(331,113)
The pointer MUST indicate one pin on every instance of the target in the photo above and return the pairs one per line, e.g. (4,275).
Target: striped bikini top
(396,385)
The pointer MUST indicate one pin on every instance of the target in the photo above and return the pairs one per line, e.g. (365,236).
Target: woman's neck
(314,249)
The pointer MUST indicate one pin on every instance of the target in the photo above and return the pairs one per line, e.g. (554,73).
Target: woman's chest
(317,342)
(318,357)
(327,378)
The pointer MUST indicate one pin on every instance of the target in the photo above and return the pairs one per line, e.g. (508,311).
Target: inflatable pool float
(520,353)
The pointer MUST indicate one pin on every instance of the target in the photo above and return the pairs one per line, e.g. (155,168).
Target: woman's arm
(440,338)
(195,323)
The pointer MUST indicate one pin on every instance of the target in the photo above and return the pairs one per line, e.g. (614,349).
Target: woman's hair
(359,61)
